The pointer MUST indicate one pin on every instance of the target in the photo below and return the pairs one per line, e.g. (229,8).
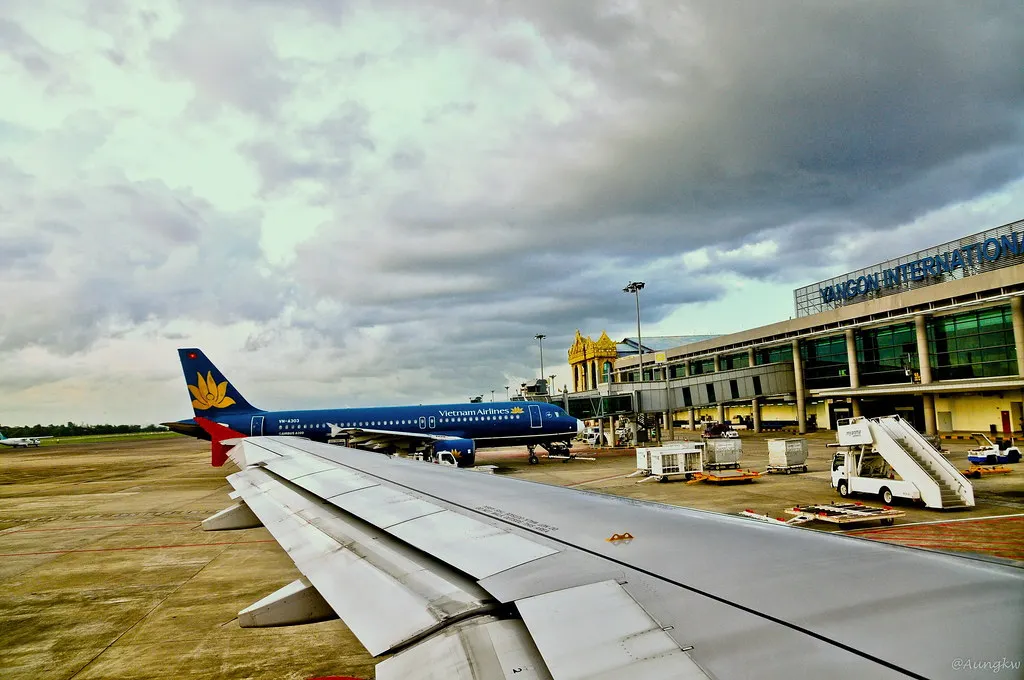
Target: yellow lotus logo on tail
(208,394)
(517,409)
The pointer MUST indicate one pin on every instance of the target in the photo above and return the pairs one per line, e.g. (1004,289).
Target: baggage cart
(721,454)
(787,455)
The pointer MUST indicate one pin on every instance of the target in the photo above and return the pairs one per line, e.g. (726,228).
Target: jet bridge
(912,457)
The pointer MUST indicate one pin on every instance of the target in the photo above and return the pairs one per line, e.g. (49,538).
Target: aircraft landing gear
(533,456)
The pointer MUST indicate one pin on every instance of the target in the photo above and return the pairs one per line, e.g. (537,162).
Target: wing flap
(481,649)
(334,482)
(291,467)
(599,631)
(386,593)
(474,547)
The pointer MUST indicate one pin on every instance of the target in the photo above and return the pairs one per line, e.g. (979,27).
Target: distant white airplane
(21,441)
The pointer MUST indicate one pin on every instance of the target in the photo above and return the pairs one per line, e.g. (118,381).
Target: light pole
(635,287)
(540,338)
(506,392)
(492,395)
(551,385)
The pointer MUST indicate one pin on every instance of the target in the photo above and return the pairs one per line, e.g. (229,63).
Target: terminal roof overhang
(945,387)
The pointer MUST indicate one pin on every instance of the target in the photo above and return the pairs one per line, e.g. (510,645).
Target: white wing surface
(462,575)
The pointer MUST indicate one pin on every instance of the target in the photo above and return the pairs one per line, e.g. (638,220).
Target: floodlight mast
(635,287)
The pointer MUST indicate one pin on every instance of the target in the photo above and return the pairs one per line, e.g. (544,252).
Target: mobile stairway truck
(888,458)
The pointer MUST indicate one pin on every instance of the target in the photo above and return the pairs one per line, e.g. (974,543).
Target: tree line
(73,430)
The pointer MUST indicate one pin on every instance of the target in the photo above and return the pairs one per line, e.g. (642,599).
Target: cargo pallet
(725,476)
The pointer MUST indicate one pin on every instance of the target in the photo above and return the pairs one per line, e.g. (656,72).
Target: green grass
(94,438)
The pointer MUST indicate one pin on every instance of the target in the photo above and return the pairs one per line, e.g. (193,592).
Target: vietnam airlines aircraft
(21,441)
(433,429)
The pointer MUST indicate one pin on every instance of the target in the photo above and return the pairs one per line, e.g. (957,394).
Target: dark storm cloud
(730,119)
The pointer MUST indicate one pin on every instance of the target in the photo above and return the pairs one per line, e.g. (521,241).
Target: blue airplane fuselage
(506,423)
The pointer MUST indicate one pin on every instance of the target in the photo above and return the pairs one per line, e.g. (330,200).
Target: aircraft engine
(464,450)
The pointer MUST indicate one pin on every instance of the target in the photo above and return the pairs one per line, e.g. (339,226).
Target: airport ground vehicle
(887,457)
(990,453)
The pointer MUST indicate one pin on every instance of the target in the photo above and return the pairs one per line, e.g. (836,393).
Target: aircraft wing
(361,437)
(461,575)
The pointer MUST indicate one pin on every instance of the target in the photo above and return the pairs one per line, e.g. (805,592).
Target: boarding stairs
(917,461)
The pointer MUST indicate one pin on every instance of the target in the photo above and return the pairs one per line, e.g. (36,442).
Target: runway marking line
(138,547)
(1018,517)
(592,481)
(104,526)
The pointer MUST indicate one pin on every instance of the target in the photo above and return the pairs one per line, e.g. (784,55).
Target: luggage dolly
(835,513)
(788,469)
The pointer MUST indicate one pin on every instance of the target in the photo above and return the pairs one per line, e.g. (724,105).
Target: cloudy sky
(348,202)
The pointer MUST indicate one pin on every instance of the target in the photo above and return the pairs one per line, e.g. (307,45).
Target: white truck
(888,458)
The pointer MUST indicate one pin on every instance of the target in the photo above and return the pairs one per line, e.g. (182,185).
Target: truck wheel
(843,488)
(886,496)
(533,459)
(888,522)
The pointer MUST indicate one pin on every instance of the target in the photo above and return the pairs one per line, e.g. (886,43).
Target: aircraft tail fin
(211,393)
(218,434)
(2,436)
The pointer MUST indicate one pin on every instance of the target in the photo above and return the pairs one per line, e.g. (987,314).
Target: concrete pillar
(853,368)
(693,419)
(851,359)
(755,407)
(1016,303)
(750,357)
(718,363)
(612,437)
(929,414)
(669,427)
(798,378)
(922,349)
(721,413)
(928,401)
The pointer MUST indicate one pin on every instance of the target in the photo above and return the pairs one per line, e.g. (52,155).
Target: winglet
(219,434)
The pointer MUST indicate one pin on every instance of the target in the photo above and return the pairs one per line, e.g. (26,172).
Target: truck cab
(861,469)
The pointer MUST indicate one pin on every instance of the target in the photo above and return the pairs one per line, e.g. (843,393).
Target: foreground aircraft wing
(455,574)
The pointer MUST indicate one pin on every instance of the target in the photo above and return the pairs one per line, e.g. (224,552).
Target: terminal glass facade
(825,363)
(731,361)
(885,354)
(972,345)
(773,355)
(702,366)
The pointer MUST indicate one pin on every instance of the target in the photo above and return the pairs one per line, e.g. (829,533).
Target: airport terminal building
(936,336)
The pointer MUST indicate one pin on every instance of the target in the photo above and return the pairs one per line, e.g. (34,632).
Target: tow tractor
(989,453)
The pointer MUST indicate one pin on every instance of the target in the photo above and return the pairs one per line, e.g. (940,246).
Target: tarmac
(106,572)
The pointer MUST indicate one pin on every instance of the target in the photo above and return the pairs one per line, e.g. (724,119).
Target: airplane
(461,575)
(21,441)
(451,428)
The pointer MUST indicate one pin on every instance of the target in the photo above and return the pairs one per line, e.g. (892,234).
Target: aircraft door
(535,420)
(256,427)
(432,422)
(423,422)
